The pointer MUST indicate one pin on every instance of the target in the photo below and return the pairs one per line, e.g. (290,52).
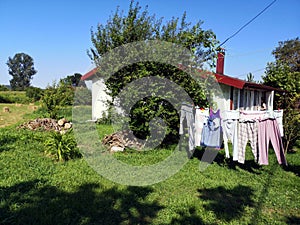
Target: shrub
(62,146)
(3,88)
(34,93)
(57,97)
(83,96)
(13,97)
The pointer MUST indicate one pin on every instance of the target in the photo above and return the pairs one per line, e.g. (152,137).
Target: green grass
(16,113)
(34,189)
(14,97)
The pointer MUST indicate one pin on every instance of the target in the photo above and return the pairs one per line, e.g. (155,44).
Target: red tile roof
(221,78)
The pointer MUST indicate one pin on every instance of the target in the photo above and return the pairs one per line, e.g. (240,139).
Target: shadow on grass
(292,167)
(227,204)
(293,220)
(36,203)
(220,159)
(188,217)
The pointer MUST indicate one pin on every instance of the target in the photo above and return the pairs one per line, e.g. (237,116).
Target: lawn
(15,114)
(34,189)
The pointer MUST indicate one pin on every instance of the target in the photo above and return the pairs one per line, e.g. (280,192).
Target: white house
(237,93)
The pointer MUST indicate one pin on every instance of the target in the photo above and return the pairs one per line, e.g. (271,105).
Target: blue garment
(211,133)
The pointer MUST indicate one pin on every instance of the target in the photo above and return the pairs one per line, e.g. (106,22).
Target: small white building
(237,94)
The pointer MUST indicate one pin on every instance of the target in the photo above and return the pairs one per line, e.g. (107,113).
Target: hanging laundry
(269,130)
(187,113)
(278,114)
(248,131)
(201,117)
(212,130)
(230,132)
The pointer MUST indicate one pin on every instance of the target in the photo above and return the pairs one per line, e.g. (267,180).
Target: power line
(268,6)
(238,54)
(241,75)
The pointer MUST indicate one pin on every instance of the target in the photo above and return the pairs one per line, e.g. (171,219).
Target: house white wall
(222,100)
(99,98)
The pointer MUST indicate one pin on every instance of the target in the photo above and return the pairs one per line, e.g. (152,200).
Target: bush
(34,93)
(62,146)
(13,97)
(83,96)
(3,88)
(56,97)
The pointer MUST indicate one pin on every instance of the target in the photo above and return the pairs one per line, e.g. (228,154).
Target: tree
(34,93)
(138,25)
(73,80)
(289,53)
(3,87)
(284,73)
(21,68)
(250,77)
(56,97)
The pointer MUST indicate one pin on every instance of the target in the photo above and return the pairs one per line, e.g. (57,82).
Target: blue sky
(57,33)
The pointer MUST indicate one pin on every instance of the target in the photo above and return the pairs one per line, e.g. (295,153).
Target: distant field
(15,114)
(13,97)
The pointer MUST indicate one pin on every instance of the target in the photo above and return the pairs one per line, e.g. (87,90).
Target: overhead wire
(261,12)
(254,71)
(238,54)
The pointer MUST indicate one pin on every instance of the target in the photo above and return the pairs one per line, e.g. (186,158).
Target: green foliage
(250,77)
(57,97)
(34,93)
(284,73)
(280,75)
(13,97)
(83,96)
(21,68)
(289,53)
(63,146)
(3,88)
(138,25)
(73,80)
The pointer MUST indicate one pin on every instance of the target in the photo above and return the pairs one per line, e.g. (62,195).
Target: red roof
(221,78)
(89,74)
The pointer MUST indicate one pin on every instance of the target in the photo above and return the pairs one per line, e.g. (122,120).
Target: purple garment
(268,130)
(211,133)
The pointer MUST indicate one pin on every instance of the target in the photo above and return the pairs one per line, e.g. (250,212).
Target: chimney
(220,62)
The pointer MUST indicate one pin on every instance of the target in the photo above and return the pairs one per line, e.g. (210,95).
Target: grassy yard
(36,190)
(15,114)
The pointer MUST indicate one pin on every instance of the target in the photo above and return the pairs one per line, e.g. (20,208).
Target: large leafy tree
(21,68)
(284,73)
(138,25)
(288,52)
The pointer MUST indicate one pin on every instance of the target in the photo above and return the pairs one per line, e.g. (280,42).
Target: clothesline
(210,129)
